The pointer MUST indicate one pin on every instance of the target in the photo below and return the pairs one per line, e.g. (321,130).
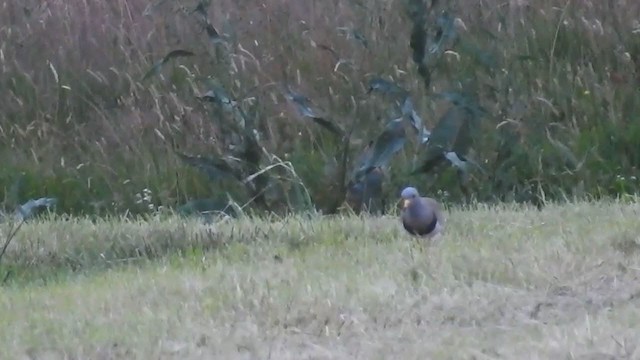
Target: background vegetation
(541,95)
(133,106)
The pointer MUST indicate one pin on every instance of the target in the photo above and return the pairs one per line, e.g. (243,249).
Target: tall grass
(558,80)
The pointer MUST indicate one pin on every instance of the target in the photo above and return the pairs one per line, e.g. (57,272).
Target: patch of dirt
(626,242)
(594,292)
(487,304)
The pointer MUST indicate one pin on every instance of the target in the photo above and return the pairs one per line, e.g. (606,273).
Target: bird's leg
(421,246)
(411,245)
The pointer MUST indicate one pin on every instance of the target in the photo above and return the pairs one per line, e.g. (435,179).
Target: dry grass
(79,121)
(510,283)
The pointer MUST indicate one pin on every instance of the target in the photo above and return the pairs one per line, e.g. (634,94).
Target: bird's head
(408,194)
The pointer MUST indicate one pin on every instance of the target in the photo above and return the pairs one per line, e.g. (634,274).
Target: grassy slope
(503,283)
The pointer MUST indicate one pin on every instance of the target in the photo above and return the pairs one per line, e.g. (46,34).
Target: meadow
(504,282)
(290,128)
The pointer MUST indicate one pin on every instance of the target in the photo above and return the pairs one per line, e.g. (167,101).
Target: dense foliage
(132,106)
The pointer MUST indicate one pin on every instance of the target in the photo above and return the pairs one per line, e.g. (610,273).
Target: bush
(556,84)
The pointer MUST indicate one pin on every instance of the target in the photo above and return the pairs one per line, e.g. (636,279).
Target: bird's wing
(420,225)
(435,206)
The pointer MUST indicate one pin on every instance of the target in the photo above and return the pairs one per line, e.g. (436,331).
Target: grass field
(506,282)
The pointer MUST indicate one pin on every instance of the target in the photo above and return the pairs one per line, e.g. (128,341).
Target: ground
(502,283)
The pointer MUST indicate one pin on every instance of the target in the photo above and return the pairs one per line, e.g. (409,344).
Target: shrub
(552,89)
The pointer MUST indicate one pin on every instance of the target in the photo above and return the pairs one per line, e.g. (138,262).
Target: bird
(421,216)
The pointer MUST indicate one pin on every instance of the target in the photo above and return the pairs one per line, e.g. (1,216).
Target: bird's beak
(405,203)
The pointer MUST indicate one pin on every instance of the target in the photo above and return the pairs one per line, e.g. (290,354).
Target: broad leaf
(214,168)
(308,110)
(366,193)
(218,95)
(456,161)
(432,156)
(213,34)
(12,196)
(389,142)
(462,99)
(385,87)
(201,11)
(202,8)
(30,208)
(453,133)
(461,163)
(354,34)
(207,207)
(151,7)
(415,120)
(155,69)
(571,162)
(445,36)
(480,55)
(417,12)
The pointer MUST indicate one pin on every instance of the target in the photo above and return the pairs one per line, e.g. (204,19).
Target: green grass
(503,282)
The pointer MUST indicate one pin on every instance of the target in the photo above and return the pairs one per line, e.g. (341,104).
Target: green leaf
(445,35)
(389,142)
(480,55)
(206,207)
(155,69)
(354,34)
(308,110)
(201,11)
(417,12)
(431,158)
(385,87)
(509,153)
(453,133)
(30,208)
(462,99)
(571,162)
(202,8)
(12,197)
(218,95)
(151,7)
(409,113)
(461,163)
(366,192)
(213,34)
(214,168)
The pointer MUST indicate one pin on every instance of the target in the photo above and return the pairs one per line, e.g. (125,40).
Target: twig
(12,233)
(6,276)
